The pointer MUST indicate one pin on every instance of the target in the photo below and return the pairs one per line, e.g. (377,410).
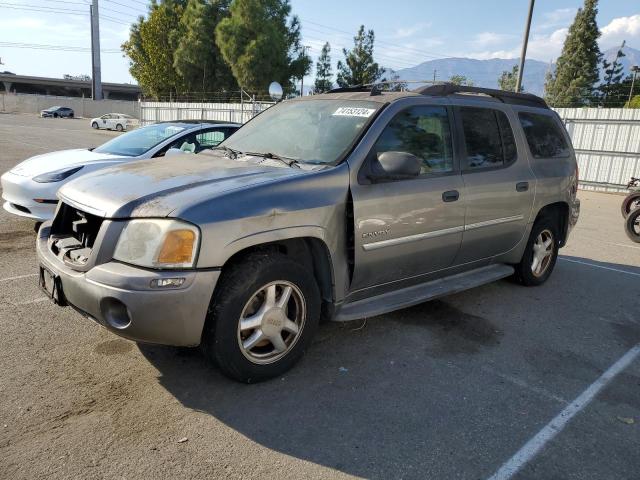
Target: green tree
(324,76)
(577,73)
(197,58)
(613,74)
(634,103)
(150,48)
(359,67)
(508,80)
(460,80)
(262,45)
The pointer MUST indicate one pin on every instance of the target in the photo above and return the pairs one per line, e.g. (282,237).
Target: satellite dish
(275,91)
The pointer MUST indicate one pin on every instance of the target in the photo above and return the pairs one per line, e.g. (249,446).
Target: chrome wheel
(542,253)
(271,322)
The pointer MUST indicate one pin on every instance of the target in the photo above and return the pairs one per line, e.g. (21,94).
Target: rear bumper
(19,193)
(120,298)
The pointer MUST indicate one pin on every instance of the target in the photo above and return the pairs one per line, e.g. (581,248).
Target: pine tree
(614,72)
(359,67)
(324,76)
(261,44)
(577,74)
(508,80)
(197,58)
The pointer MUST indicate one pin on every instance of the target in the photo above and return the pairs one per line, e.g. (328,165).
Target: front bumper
(19,193)
(120,298)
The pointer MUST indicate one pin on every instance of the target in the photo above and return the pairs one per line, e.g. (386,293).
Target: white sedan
(29,189)
(114,121)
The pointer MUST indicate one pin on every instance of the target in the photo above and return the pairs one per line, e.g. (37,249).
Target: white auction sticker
(354,112)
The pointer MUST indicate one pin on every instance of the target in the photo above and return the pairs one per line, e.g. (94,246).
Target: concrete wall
(82,107)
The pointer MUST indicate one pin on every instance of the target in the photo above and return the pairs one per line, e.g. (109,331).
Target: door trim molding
(438,233)
(411,238)
(495,221)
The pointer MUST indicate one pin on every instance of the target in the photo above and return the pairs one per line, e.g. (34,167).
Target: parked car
(344,205)
(29,189)
(114,121)
(55,112)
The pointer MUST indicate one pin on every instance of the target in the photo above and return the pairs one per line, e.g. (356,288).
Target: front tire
(94,125)
(540,255)
(630,203)
(632,225)
(263,316)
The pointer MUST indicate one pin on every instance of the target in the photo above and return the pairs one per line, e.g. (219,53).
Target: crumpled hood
(49,162)
(156,187)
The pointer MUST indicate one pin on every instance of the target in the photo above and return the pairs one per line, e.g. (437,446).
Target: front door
(499,185)
(406,228)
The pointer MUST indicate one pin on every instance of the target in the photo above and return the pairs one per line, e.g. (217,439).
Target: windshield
(140,141)
(311,131)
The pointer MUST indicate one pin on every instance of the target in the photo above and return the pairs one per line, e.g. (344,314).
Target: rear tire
(71,115)
(55,115)
(263,316)
(119,128)
(94,125)
(632,225)
(630,203)
(540,255)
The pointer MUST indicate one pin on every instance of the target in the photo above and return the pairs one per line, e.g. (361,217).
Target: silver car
(338,206)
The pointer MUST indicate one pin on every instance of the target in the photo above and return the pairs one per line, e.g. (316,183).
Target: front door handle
(522,186)
(450,196)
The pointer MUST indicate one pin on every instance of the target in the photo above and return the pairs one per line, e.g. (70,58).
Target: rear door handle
(522,186)
(450,196)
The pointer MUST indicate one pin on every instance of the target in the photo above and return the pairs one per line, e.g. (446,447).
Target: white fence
(151,112)
(607,144)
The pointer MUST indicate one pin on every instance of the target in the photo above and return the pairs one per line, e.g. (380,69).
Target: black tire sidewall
(95,125)
(119,128)
(523,269)
(629,224)
(220,339)
(624,209)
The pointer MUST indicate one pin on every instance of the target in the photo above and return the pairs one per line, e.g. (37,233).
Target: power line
(65,11)
(126,6)
(63,48)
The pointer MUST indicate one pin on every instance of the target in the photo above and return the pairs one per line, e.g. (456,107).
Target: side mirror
(395,166)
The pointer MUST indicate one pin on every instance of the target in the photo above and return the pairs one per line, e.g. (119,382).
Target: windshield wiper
(233,154)
(290,162)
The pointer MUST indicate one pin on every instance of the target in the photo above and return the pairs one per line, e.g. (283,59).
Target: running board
(407,297)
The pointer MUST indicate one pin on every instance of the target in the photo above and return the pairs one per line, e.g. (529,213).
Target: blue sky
(408,32)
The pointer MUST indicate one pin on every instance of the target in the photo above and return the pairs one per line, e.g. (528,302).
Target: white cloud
(561,17)
(619,29)
(489,39)
(407,32)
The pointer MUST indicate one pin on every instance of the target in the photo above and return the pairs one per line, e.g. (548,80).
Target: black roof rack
(444,89)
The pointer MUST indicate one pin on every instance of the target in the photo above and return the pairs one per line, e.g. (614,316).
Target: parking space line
(18,277)
(555,426)
(599,266)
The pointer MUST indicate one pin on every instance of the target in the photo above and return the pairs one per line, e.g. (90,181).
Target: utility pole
(304,49)
(525,42)
(96,75)
(435,74)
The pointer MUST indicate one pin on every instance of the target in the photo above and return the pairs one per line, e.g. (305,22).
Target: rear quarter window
(543,134)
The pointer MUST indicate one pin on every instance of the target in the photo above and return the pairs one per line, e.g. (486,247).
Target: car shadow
(353,402)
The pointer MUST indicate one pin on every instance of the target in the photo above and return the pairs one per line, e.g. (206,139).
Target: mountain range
(485,73)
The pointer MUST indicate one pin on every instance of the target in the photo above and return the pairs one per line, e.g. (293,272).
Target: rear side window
(488,138)
(424,132)
(544,136)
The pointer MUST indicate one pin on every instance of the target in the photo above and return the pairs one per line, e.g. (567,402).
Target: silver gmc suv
(337,206)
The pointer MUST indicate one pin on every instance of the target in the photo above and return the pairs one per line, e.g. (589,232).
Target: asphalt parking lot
(500,381)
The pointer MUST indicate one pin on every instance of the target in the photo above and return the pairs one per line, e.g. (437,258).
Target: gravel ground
(449,389)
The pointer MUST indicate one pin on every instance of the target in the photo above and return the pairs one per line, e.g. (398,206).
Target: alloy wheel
(271,322)
(542,253)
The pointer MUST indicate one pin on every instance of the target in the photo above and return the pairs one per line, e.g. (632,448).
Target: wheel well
(310,252)
(560,212)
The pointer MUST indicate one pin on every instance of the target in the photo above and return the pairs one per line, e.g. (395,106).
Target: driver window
(424,132)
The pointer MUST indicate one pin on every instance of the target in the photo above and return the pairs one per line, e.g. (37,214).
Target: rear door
(499,185)
(406,228)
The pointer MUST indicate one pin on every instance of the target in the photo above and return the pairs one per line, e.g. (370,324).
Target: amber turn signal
(178,247)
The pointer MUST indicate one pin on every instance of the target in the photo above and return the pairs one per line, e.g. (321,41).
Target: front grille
(73,234)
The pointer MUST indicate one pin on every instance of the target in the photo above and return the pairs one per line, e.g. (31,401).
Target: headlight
(158,243)
(56,175)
